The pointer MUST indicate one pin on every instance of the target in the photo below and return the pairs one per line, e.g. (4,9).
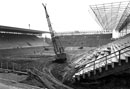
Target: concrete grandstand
(13,38)
(85,39)
(113,59)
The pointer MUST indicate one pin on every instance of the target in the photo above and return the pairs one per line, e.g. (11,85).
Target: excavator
(60,55)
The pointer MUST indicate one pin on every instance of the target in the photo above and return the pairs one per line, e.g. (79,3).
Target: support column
(115,34)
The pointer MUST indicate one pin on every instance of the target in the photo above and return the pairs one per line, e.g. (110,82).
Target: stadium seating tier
(89,40)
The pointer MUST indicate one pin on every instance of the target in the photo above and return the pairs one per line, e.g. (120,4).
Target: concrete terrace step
(102,65)
(102,71)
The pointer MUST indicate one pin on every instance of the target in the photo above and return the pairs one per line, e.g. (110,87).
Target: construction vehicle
(60,54)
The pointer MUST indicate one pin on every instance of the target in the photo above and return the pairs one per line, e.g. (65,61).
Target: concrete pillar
(78,77)
(112,64)
(106,67)
(84,76)
(115,34)
(100,69)
(94,71)
(88,74)
(126,59)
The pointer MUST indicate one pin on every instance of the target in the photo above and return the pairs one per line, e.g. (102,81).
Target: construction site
(69,60)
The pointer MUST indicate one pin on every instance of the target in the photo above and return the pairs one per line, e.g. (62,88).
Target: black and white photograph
(64,44)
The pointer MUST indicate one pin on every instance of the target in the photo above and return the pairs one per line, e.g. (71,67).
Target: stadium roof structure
(112,16)
(20,30)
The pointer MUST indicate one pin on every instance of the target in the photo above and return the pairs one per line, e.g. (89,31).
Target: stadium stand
(21,41)
(113,58)
(85,40)
(113,52)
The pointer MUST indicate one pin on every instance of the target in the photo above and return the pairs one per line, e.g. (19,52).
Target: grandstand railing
(12,67)
(105,59)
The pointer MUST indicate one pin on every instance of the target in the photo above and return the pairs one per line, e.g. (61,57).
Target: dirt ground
(53,74)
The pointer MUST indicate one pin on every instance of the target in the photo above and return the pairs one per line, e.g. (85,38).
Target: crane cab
(60,58)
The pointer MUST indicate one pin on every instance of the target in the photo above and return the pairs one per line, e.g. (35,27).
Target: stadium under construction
(69,60)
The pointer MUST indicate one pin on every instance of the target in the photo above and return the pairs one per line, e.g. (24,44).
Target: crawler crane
(60,54)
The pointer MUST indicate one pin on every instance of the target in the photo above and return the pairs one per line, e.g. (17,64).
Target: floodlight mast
(58,48)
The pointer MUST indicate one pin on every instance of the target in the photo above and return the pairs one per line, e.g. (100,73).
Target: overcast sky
(65,15)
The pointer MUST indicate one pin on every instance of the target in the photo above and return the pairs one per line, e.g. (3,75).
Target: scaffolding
(112,16)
